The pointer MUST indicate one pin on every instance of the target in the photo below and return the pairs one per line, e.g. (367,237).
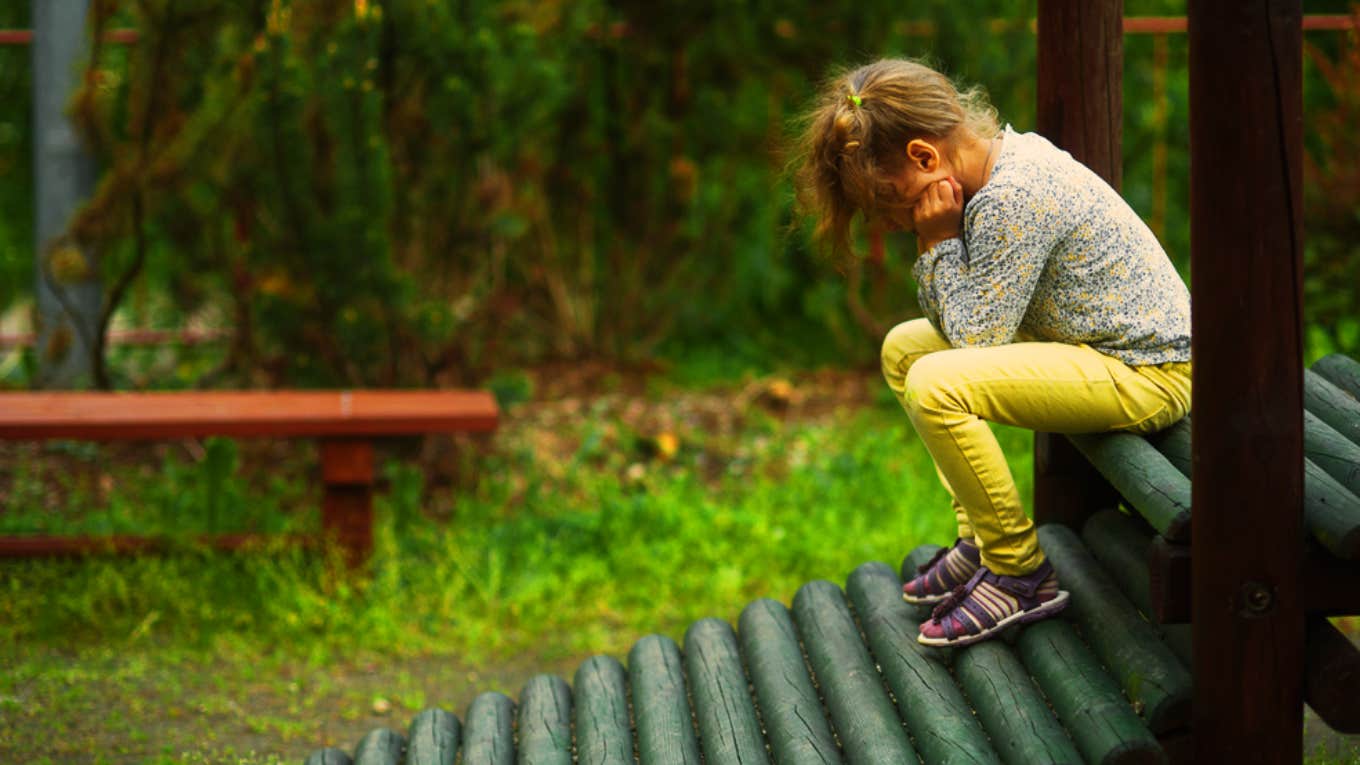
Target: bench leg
(1066,488)
(347,507)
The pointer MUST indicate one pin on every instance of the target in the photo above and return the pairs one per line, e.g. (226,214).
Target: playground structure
(821,683)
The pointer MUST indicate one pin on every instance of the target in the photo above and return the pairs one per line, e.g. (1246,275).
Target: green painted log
(938,717)
(433,738)
(1150,483)
(1341,371)
(1120,543)
(603,733)
(869,729)
(329,756)
(665,729)
(1330,511)
(489,730)
(795,722)
(728,729)
(545,722)
(1332,452)
(1087,700)
(1011,708)
(381,746)
(1335,406)
(1150,675)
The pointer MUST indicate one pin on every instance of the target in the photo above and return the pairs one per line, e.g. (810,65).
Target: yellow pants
(951,393)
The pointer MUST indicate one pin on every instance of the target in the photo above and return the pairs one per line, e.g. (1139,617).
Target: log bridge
(1268,553)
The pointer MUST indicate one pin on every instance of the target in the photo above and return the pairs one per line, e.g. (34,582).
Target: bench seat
(344,422)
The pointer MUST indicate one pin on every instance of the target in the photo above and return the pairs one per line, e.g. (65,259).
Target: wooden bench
(839,676)
(344,422)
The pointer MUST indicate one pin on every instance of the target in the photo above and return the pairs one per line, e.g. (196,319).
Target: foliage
(1332,201)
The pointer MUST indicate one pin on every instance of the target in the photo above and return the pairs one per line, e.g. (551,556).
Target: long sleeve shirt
(1051,252)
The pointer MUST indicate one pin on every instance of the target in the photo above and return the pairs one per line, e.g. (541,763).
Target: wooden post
(1246,152)
(347,507)
(1080,109)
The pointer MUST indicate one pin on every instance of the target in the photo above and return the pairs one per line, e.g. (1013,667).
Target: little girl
(1048,305)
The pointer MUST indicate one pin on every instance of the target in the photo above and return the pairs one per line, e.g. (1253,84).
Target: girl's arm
(976,289)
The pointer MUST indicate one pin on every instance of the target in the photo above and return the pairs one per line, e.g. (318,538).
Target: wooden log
(938,717)
(603,732)
(1121,543)
(729,731)
(433,739)
(867,724)
(381,746)
(1331,674)
(665,729)
(1332,452)
(545,722)
(865,720)
(1011,708)
(1333,405)
(1090,705)
(795,722)
(1151,484)
(1150,675)
(1341,371)
(329,756)
(1331,512)
(489,735)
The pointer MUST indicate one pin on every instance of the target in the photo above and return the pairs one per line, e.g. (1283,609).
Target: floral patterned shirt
(1051,252)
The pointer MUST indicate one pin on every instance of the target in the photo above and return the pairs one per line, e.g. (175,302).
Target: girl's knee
(930,384)
(906,343)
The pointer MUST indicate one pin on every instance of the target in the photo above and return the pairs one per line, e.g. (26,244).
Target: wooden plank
(1086,699)
(729,731)
(795,722)
(347,521)
(665,729)
(545,722)
(433,738)
(1150,483)
(346,461)
(941,723)
(1333,405)
(176,414)
(1080,109)
(603,732)
(329,756)
(1130,646)
(489,736)
(866,723)
(1341,371)
(1011,708)
(381,746)
(1169,582)
(1246,86)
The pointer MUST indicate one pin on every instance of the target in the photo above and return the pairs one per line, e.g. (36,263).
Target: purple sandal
(989,603)
(951,567)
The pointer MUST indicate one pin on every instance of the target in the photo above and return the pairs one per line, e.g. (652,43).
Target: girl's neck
(976,156)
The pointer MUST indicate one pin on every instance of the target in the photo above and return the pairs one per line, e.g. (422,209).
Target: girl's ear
(922,155)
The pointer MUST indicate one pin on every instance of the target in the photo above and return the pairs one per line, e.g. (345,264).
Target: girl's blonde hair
(855,138)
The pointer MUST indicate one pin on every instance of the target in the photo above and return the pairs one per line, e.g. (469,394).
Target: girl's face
(926,164)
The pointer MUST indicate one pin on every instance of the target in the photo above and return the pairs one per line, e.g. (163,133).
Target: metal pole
(68,289)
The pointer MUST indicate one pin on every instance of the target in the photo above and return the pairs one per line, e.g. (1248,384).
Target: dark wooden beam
(1246,256)
(1080,109)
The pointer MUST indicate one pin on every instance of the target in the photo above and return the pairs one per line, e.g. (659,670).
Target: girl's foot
(988,603)
(949,568)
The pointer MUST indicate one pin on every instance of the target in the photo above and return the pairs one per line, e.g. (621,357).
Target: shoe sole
(1043,611)
(928,600)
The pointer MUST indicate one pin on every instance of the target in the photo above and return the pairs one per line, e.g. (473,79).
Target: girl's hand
(938,214)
